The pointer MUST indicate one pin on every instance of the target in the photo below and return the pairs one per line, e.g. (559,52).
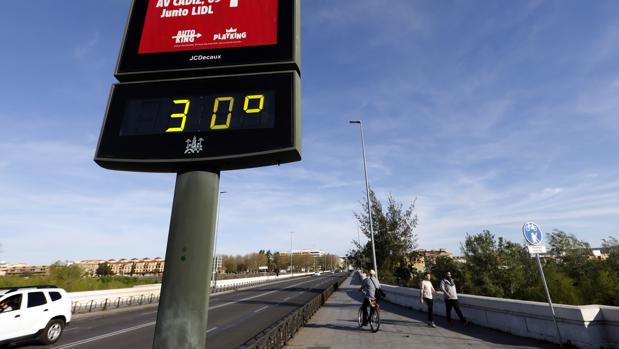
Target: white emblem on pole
(194,145)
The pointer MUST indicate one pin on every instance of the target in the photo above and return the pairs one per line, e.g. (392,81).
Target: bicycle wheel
(374,319)
(360,317)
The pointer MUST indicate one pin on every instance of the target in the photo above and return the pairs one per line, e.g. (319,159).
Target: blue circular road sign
(532,233)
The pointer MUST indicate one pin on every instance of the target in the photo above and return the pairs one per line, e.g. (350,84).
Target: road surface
(233,319)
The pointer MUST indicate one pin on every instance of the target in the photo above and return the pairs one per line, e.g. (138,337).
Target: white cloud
(449,211)
(88,47)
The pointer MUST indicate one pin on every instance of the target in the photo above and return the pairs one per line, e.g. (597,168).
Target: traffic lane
(223,314)
(275,296)
(250,317)
(242,323)
(218,299)
(135,337)
(90,326)
(111,321)
(231,327)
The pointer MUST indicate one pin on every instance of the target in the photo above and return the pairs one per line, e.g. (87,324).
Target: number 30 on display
(218,100)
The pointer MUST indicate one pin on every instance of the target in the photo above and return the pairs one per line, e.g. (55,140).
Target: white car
(40,312)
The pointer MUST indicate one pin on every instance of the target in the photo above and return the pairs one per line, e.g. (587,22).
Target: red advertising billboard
(192,25)
(171,39)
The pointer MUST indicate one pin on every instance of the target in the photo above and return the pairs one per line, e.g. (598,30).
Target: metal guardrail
(236,286)
(113,303)
(276,336)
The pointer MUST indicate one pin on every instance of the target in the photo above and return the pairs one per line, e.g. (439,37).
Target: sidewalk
(334,326)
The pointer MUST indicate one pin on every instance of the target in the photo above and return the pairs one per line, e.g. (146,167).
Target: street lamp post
(215,247)
(291,272)
(367,192)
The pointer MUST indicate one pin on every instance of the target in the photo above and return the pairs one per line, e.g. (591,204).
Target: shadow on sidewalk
(355,280)
(353,327)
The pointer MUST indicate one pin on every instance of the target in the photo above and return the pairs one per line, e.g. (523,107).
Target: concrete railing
(90,301)
(586,326)
(235,283)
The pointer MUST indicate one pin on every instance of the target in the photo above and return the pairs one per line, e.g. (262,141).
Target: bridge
(288,314)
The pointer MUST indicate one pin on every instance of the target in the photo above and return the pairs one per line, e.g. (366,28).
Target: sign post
(183,306)
(533,234)
(205,86)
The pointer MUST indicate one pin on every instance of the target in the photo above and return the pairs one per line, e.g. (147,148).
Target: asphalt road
(233,318)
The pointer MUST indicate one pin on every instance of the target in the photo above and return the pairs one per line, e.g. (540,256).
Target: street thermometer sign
(205,86)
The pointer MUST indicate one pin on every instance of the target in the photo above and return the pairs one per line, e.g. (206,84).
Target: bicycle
(373,317)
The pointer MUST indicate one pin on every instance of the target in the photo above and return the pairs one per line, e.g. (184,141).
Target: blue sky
(490,113)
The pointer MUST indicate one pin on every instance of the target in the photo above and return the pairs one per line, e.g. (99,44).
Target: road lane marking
(212,329)
(287,298)
(261,309)
(103,336)
(148,313)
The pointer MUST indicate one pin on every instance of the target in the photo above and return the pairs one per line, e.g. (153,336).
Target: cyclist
(368,287)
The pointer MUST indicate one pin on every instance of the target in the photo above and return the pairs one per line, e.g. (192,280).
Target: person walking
(425,296)
(451,298)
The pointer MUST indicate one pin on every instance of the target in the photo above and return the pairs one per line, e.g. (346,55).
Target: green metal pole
(183,307)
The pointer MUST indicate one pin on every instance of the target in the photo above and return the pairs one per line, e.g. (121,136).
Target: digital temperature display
(199,113)
(222,123)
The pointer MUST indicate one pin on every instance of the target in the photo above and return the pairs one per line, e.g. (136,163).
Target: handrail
(112,303)
(277,335)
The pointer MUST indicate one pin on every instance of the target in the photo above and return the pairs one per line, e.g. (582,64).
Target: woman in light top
(425,295)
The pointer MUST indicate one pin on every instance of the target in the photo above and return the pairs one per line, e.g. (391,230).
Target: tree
(356,256)
(612,262)
(562,244)
(483,264)
(498,268)
(277,262)
(103,269)
(438,269)
(65,276)
(394,237)
(573,254)
(227,262)
(611,245)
